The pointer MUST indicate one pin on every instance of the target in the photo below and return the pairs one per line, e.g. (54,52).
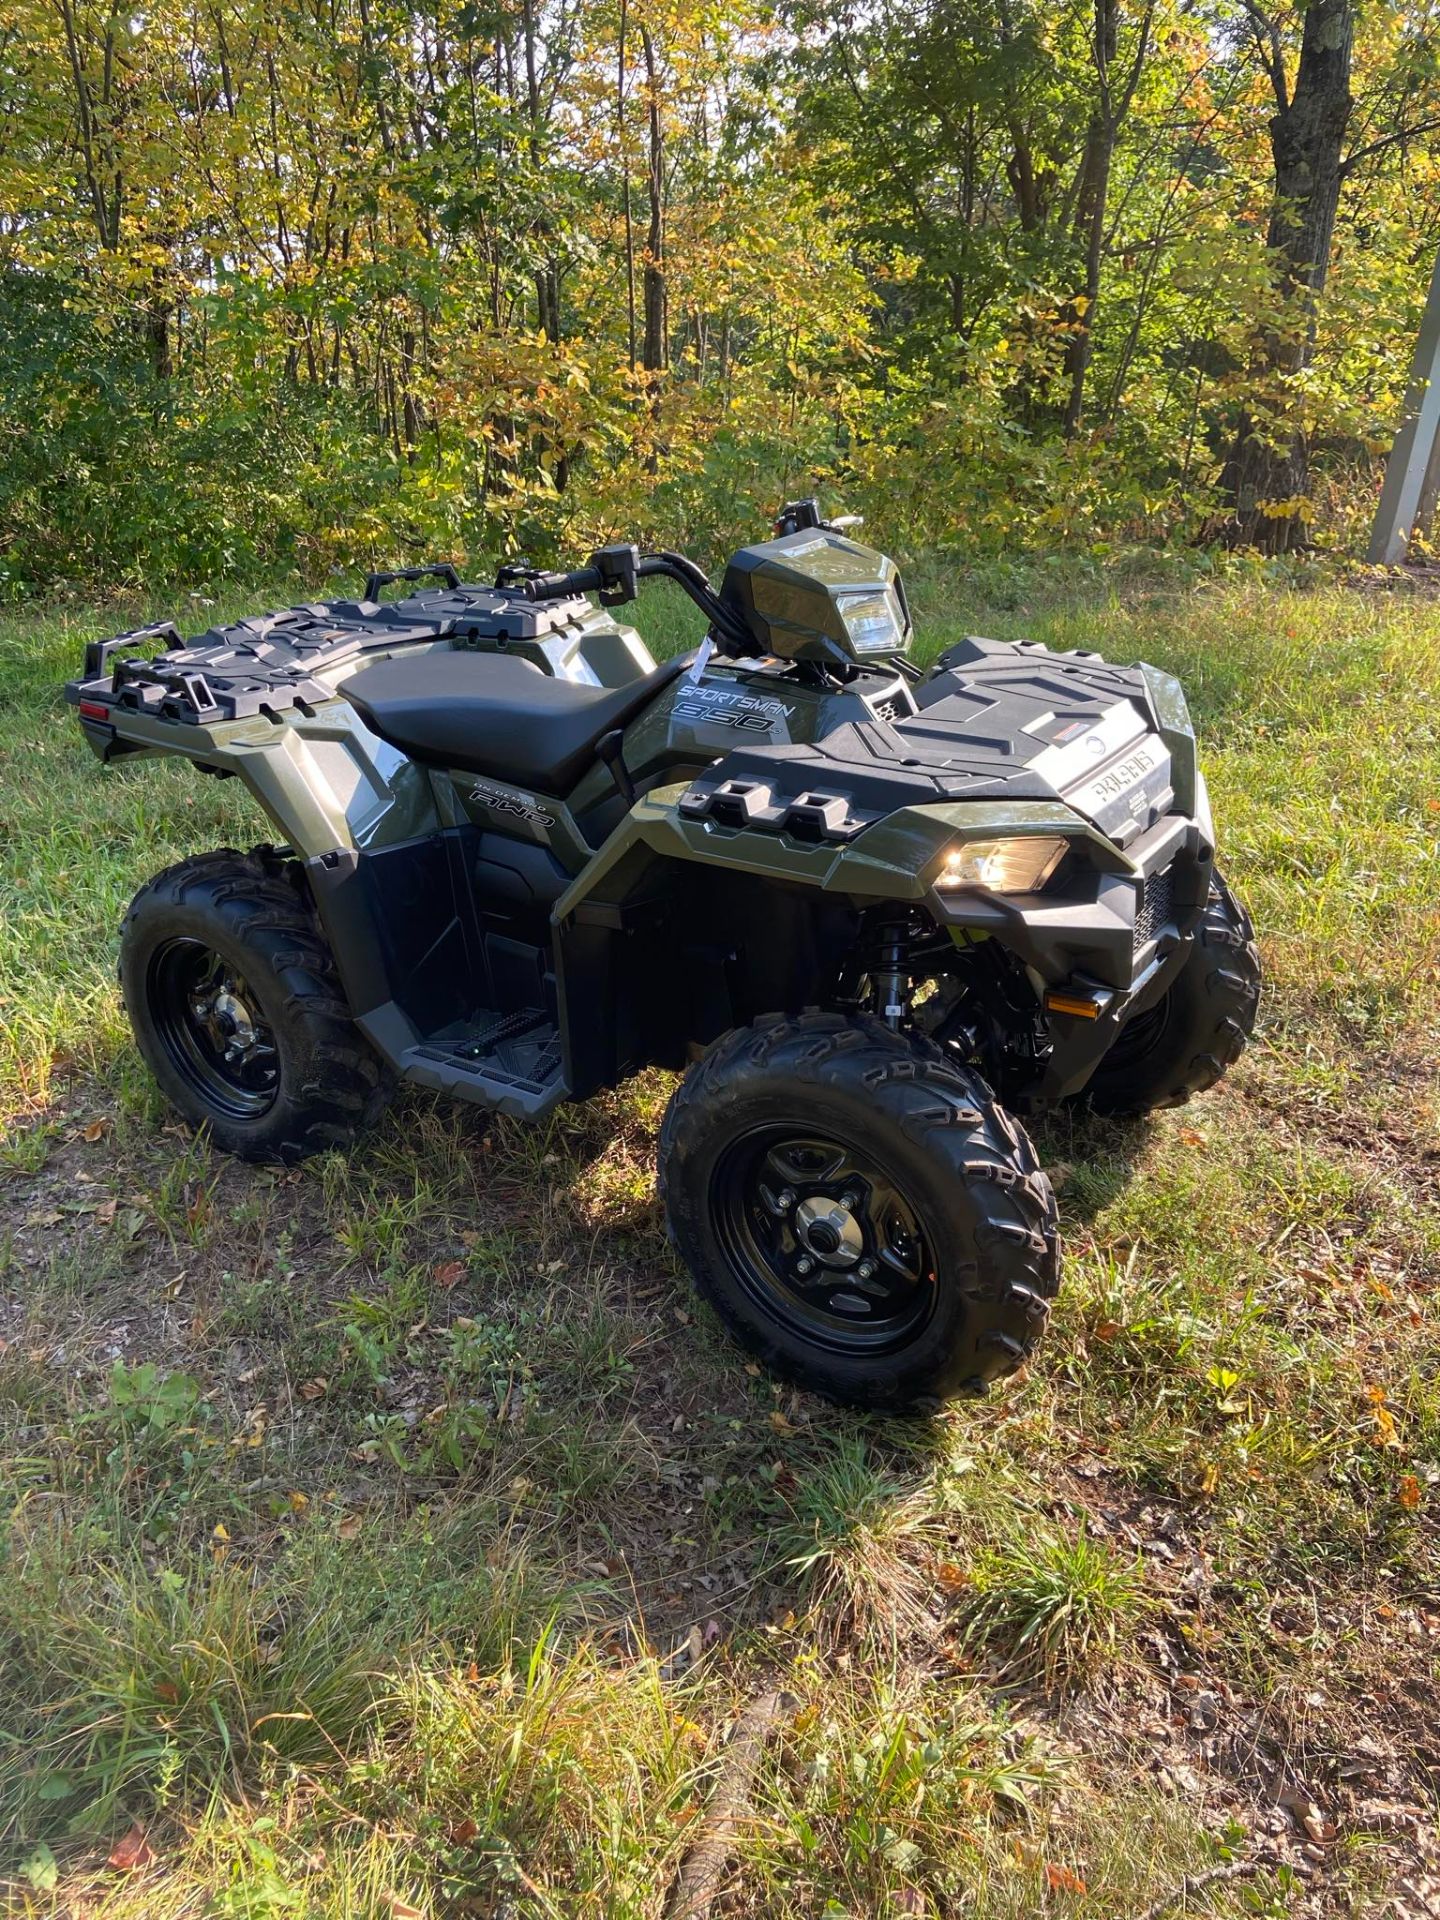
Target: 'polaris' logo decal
(1120,779)
(515,804)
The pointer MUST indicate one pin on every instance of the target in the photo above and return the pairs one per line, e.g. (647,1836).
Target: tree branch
(1369,151)
(1272,54)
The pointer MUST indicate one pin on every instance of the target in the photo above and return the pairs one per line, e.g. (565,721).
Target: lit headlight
(872,619)
(1020,865)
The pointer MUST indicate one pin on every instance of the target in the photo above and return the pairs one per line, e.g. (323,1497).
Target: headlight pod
(872,619)
(1023,863)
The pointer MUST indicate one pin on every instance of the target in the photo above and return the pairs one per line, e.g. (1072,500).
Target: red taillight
(92,710)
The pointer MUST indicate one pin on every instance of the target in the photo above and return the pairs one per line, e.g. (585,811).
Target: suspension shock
(891,975)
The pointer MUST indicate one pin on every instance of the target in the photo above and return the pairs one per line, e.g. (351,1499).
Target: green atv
(863,905)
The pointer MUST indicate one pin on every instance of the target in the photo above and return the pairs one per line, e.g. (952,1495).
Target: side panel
(711,905)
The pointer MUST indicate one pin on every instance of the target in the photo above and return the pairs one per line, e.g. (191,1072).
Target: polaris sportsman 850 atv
(522,861)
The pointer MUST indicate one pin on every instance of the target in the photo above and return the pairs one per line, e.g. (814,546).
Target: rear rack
(268,664)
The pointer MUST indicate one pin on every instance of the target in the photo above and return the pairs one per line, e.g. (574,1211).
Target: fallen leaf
(222,1532)
(298,1501)
(463,1832)
(1107,1329)
(1298,1802)
(167,1691)
(1385,1433)
(401,1909)
(1062,1880)
(1409,1492)
(779,1422)
(106,1211)
(449,1272)
(42,1870)
(952,1575)
(314,1389)
(132,1852)
(349,1527)
(96,1130)
(1189,1137)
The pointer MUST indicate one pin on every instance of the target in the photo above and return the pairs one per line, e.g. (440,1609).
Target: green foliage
(293,292)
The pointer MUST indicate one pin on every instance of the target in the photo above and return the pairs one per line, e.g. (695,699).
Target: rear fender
(325,781)
(332,791)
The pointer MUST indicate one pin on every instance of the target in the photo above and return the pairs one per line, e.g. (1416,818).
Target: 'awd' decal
(744,712)
(514,804)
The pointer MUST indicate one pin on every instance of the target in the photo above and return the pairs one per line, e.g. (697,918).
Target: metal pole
(1416,444)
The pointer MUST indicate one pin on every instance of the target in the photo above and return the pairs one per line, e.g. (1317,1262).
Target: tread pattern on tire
(940,1107)
(260,899)
(1230,996)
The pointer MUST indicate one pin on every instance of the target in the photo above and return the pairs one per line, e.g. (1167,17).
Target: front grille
(1155,908)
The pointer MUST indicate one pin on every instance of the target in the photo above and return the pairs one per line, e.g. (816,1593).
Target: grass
(396,1534)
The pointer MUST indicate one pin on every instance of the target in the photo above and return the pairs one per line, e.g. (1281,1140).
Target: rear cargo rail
(269,664)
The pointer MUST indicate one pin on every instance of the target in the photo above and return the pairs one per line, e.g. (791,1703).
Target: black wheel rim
(823,1239)
(213,1030)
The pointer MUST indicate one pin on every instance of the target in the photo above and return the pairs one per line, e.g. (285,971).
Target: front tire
(861,1214)
(1197,1030)
(235,1003)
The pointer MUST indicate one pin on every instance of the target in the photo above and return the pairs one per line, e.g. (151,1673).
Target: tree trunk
(1268,470)
(1090,228)
(653,354)
(625,187)
(1113,94)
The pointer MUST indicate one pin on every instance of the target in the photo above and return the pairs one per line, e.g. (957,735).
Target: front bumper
(1109,940)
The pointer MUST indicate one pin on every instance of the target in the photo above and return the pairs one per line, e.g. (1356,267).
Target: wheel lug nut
(866,1269)
(786,1200)
(849,1202)
(804,1264)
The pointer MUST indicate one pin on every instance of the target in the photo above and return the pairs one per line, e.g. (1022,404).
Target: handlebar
(613,573)
(562,586)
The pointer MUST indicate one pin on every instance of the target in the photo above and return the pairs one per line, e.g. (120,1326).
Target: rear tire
(822,1124)
(233,996)
(1196,1032)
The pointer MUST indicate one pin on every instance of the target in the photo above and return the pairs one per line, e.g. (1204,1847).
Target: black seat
(491,713)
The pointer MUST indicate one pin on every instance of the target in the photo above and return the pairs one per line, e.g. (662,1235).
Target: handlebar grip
(442,570)
(562,586)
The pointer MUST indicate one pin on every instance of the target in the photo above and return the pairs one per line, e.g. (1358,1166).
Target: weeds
(860,1540)
(1058,1604)
(396,1532)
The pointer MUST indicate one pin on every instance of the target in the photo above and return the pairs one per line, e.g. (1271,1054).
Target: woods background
(294,282)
